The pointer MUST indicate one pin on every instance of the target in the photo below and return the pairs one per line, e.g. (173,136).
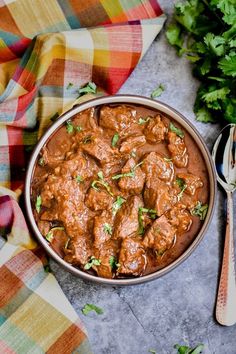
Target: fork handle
(226,299)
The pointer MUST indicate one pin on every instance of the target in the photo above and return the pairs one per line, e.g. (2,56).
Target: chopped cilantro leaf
(200,210)
(92,262)
(117,204)
(182,185)
(49,236)
(183,349)
(113,263)
(152,214)
(87,139)
(176,130)
(38,203)
(90,307)
(152,351)
(142,121)
(115,139)
(100,175)
(158,91)
(79,179)
(131,173)
(69,127)
(89,88)
(41,161)
(107,228)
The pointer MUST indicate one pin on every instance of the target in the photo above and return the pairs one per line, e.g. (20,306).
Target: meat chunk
(132,259)
(160,236)
(98,200)
(102,228)
(132,184)
(177,150)
(76,165)
(159,196)
(154,166)
(105,254)
(192,182)
(117,118)
(126,220)
(180,218)
(79,250)
(155,130)
(44,227)
(98,149)
(131,143)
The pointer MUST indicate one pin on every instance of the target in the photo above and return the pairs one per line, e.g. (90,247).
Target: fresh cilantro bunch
(204,31)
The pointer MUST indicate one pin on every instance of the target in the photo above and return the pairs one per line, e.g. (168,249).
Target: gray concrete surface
(179,307)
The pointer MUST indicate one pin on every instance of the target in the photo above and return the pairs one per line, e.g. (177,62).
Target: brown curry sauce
(132,155)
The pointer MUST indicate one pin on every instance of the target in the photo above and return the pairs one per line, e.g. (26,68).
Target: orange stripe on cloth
(10,285)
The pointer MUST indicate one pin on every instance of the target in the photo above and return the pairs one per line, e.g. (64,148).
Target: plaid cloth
(45,46)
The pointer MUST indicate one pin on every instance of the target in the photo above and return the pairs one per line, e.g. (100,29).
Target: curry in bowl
(120,190)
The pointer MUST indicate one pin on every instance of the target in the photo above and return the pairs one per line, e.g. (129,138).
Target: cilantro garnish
(107,228)
(200,210)
(90,307)
(152,351)
(176,130)
(38,203)
(92,262)
(87,139)
(113,263)
(152,214)
(182,185)
(67,243)
(204,32)
(101,182)
(167,159)
(79,179)
(117,204)
(115,139)
(158,91)
(183,349)
(69,127)
(49,236)
(41,161)
(90,87)
(142,121)
(131,173)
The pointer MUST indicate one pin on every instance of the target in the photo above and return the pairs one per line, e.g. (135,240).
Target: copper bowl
(126,99)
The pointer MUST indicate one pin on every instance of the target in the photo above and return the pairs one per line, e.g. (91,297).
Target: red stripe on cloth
(68,341)
(10,285)
(20,46)
(6,213)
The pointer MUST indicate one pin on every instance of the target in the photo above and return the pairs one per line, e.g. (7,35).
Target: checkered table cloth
(48,50)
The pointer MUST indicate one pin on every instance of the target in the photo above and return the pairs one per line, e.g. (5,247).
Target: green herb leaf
(176,130)
(69,85)
(228,64)
(69,127)
(41,161)
(79,179)
(117,204)
(101,182)
(67,243)
(174,35)
(89,88)
(142,121)
(49,236)
(79,128)
(92,262)
(152,214)
(131,173)
(182,185)
(200,210)
(38,203)
(100,175)
(115,139)
(107,228)
(158,91)
(152,351)
(183,349)
(113,263)
(167,159)
(90,307)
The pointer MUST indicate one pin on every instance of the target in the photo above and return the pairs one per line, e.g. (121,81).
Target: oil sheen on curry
(120,191)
